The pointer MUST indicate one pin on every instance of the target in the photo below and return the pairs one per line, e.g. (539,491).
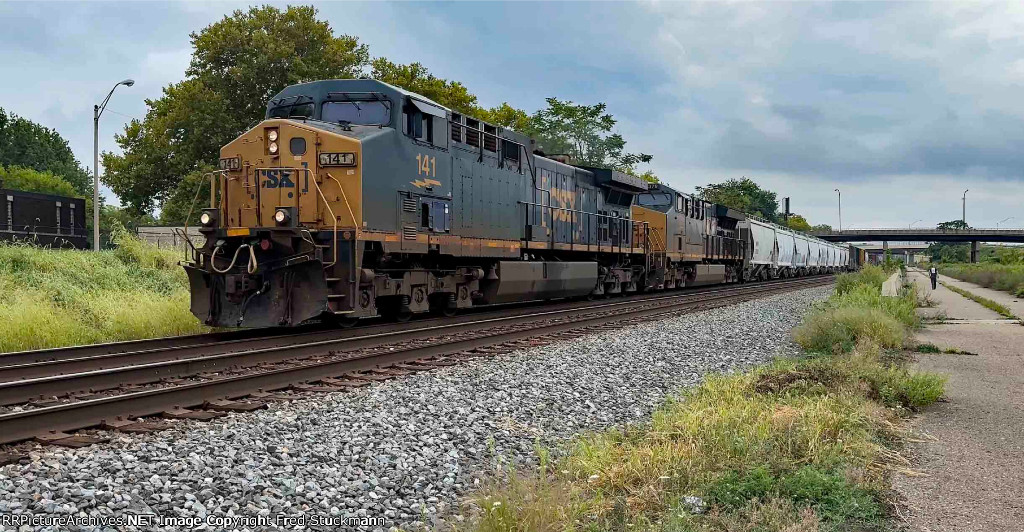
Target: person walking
(934,274)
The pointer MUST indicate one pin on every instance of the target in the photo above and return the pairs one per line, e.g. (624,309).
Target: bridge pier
(974,251)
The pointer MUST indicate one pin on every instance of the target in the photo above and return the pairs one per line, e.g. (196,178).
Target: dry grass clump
(54,298)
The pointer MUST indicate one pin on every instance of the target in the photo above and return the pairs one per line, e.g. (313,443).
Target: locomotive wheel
(346,323)
(342,322)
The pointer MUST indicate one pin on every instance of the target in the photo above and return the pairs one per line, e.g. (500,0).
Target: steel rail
(200,341)
(26,366)
(93,412)
(20,391)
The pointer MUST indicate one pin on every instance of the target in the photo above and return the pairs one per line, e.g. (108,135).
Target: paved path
(1010,301)
(949,304)
(973,459)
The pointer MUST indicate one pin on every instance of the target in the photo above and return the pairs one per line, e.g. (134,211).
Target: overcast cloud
(901,106)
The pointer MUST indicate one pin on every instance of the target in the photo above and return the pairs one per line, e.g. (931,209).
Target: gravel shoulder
(973,443)
(410,449)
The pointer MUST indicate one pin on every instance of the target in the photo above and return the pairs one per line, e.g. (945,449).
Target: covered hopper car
(354,198)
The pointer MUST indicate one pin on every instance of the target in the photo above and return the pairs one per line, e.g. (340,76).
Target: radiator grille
(409,232)
(408,204)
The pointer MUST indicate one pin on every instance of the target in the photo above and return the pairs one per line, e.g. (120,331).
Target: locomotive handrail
(617,230)
(344,197)
(334,241)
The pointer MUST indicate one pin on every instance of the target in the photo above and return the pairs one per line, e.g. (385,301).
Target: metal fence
(168,237)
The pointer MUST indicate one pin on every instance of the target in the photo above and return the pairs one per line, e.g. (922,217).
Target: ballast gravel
(406,450)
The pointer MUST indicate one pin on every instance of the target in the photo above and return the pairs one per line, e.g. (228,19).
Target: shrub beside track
(54,298)
(803,444)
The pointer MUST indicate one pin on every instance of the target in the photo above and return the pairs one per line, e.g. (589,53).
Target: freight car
(354,198)
(42,219)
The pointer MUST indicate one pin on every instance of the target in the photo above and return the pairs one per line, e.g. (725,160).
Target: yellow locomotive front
(285,211)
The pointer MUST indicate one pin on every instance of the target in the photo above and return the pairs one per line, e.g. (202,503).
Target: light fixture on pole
(963,216)
(840,210)
(1003,220)
(97,110)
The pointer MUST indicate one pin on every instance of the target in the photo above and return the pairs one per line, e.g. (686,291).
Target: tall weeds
(53,298)
(1003,277)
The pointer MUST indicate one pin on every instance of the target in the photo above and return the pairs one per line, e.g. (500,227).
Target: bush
(797,446)
(838,330)
(1002,277)
(53,297)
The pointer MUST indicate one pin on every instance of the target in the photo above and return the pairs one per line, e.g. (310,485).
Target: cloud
(901,105)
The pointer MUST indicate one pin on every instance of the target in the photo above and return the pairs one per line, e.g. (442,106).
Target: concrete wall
(169,237)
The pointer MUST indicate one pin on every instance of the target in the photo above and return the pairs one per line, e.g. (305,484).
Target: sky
(901,106)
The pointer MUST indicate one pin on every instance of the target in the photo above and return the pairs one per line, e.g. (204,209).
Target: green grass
(54,298)
(1002,277)
(803,444)
(983,301)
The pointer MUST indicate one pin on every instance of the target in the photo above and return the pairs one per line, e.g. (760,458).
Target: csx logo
(277,179)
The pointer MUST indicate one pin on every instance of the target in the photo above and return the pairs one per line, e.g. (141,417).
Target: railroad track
(113,390)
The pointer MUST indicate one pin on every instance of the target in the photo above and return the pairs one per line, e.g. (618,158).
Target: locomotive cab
(285,209)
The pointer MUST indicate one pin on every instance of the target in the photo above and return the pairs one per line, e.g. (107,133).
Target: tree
(185,203)
(415,77)
(29,180)
(798,223)
(238,63)
(953,224)
(509,117)
(583,132)
(743,195)
(946,252)
(821,228)
(24,143)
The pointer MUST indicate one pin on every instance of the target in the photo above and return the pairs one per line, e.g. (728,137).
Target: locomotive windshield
(657,199)
(300,106)
(364,113)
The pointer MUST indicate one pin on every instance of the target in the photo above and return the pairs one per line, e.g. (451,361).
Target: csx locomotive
(354,198)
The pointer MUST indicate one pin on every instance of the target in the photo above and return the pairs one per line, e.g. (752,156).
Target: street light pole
(840,210)
(1003,220)
(97,110)
(912,223)
(963,216)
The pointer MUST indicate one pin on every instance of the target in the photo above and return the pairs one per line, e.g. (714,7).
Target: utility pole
(963,215)
(97,110)
(840,210)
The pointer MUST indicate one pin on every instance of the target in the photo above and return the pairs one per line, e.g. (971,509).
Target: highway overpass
(922,235)
(885,235)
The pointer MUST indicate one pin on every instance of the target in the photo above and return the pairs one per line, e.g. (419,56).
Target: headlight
(280,216)
(273,147)
(272,135)
(205,218)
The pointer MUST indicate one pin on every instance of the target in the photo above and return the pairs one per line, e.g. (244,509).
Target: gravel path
(406,449)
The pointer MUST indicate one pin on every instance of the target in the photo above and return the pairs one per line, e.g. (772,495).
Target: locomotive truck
(355,198)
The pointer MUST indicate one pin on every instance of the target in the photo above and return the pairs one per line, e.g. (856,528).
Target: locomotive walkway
(973,442)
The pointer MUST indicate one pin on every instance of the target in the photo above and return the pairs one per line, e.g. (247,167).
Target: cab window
(363,112)
(425,127)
